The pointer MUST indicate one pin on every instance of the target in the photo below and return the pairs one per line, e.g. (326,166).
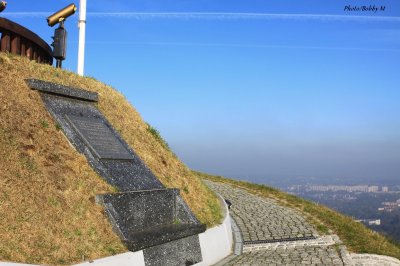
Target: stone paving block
(293,256)
(260,232)
(262,219)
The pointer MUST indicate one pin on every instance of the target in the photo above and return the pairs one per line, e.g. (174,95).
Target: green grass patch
(156,134)
(58,126)
(44,124)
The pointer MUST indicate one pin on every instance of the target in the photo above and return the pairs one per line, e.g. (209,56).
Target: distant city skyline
(257,90)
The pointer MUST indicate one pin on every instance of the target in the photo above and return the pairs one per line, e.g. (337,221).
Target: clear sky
(256,90)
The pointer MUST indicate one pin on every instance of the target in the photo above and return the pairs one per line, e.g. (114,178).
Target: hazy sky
(256,90)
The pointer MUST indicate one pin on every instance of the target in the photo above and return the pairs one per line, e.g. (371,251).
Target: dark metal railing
(19,40)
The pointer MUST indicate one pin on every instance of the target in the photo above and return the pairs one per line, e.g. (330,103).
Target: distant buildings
(359,188)
(351,193)
(345,188)
(373,189)
(370,221)
(389,206)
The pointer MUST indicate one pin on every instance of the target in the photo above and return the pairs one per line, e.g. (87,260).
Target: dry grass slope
(355,236)
(47,189)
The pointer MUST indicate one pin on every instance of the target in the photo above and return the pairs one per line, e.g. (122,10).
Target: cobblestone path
(274,235)
(325,255)
(261,219)
(269,234)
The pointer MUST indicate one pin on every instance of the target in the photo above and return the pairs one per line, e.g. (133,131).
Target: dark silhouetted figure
(228,203)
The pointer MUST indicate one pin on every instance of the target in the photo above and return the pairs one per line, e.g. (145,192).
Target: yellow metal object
(61,15)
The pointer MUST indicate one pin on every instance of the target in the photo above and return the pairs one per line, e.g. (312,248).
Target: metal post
(82,33)
(59,63)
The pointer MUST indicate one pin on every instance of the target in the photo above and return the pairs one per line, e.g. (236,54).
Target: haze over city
(256,90)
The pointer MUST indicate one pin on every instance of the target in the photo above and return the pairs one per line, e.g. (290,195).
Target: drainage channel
(237,235)
(278,240)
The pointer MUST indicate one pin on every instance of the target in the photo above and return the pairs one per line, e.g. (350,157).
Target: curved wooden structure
(21,41)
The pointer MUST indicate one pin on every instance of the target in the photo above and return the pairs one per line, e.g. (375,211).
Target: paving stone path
(263,220)
(269,234)
(325,255)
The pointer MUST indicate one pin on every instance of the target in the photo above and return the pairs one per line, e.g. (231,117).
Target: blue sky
(256,90)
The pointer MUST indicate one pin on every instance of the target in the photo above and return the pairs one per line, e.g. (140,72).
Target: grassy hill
(47,209)
(357,237)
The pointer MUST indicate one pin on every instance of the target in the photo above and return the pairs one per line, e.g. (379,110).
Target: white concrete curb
(216,243)
(317,242)
(124,259)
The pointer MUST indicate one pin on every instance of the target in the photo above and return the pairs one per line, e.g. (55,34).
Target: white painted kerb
(125,259)
(216,243)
